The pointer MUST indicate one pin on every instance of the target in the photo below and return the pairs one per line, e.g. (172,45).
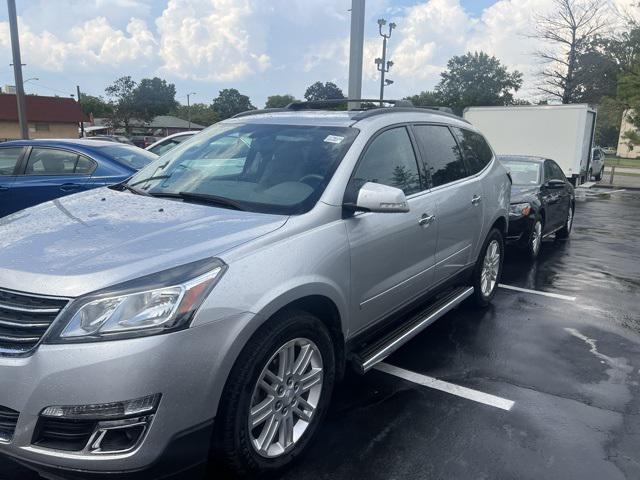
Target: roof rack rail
(372,107)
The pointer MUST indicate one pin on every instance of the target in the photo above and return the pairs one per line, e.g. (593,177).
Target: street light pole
(17,70)
(356,47)
(189,108)
(383,64)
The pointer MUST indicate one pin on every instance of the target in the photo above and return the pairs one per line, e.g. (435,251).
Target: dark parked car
(542,202)
(35,171)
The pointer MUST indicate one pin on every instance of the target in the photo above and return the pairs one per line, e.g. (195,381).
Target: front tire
(488,269)
(566,230)
(276,395)
(598,177)
(534,244)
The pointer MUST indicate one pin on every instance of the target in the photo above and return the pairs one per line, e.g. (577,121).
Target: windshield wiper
(132,189)
(213,199)
(157,177)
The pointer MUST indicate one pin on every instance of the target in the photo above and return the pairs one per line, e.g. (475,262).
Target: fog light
(100,411)
(118,436)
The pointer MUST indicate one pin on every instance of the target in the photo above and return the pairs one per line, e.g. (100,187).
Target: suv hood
(84,242)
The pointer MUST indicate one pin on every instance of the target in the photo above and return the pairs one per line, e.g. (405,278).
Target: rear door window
(389,160)
(475,148)
(444,163)
(9,158)
(49,161)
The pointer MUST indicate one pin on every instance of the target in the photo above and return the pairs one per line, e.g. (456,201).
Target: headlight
(147,306)
(520,209)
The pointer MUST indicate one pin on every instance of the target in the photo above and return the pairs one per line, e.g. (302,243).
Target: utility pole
(189,108)
(80,104)
(17,70)
(383,64)
(355,52)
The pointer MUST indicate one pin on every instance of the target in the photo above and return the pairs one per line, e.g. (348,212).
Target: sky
(260,47)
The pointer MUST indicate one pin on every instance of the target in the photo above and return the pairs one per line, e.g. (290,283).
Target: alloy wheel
(536,237)
(285,397)
(490,268)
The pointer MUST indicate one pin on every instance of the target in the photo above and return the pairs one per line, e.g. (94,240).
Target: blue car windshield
(129,155)
(257,167)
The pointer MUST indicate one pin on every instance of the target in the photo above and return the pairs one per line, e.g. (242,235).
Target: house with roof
(47,117)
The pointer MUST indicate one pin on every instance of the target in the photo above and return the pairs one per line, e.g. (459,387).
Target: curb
(616,187)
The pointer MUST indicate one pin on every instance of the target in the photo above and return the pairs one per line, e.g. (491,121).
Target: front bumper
(520,229)
(182,366)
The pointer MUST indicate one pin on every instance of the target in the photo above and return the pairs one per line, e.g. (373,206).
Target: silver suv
(211,303)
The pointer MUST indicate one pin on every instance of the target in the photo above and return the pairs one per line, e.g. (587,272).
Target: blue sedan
(35,171)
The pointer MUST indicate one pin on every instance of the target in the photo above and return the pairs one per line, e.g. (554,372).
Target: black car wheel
(566,229)
(532,249)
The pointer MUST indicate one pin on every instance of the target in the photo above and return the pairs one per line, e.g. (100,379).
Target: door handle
(476,199)
(67,187)
(426,220)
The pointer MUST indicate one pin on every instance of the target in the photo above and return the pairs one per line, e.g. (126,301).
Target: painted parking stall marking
(538,292)
(464,392)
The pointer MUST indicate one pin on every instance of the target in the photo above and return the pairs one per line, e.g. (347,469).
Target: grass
(622,162)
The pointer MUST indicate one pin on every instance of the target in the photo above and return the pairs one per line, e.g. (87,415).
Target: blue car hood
(84,242)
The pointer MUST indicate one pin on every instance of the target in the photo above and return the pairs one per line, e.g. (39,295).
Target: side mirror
(555,183)
(374,197)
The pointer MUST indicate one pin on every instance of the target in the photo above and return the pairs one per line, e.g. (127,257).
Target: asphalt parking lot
(551,383)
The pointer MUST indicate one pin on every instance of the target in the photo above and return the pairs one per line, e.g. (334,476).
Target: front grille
(8,422)
(63,434)
(24,319)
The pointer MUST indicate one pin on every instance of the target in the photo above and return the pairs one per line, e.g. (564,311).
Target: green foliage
(96,106)
(608,124)
(121,99)
(477,79)
(279,101)
(154,96)
(426,98)
(319,91)
(230,102)
(201,113)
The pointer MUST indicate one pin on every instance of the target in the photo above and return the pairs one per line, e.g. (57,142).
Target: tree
(153,97)
(476,79)
(426,98)
(96,106)
(609,119)
(319,91)
(567,29)
(201,113)
(121,101)
(279,101)
(230,102)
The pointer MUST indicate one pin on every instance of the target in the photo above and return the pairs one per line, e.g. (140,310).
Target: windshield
(257,167)
(131,156)
(523,173)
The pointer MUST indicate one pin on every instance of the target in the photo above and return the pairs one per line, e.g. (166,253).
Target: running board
(389,343)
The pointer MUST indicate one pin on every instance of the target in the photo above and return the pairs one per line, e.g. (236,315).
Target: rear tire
(270,356)
(488,269)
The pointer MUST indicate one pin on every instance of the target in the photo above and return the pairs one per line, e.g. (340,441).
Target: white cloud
(95,43)
(211,40)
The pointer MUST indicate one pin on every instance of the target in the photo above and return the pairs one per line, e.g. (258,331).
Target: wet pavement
(571,367)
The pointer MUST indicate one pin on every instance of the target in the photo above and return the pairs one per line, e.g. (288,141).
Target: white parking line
(538,292)
(447,387)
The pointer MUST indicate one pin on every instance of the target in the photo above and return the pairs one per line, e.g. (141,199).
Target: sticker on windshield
(334,139)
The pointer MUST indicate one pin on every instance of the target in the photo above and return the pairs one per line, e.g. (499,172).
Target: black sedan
(542,202)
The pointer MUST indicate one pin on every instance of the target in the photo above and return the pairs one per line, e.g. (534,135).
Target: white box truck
(564,133)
